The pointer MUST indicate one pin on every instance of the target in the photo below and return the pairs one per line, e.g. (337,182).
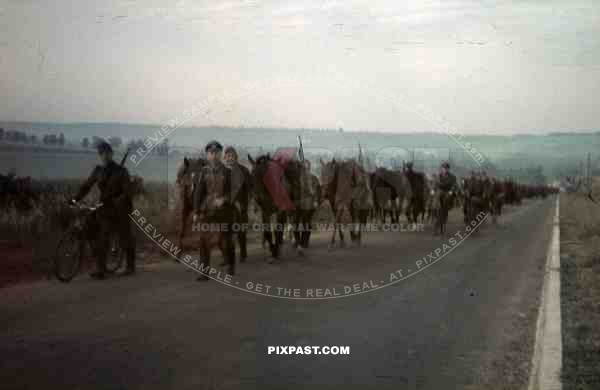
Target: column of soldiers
(221,196)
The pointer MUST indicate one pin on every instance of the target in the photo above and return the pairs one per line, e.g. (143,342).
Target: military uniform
(241,181)
(114,184)
(310,198)
(447,182)
(214,183)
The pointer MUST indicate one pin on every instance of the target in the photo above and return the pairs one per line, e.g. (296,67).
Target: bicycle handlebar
(85,207)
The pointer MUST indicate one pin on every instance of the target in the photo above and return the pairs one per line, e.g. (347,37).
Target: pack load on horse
(347,188)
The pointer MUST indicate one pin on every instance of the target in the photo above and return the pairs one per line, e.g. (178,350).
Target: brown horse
(346,186)
(307,203)
(185,189)
(264,198)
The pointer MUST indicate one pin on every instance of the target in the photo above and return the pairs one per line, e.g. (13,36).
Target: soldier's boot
(203,277)
(130,270)
(99,275)
(243,248)
(101,253)
(205,261)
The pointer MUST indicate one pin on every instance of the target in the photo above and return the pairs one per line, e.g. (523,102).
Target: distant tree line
(25,138)
(162,149)
(86,142)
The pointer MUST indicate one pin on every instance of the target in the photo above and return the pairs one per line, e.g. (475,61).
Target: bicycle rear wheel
(67,260)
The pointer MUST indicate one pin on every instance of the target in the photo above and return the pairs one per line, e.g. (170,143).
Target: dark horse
(242,184)
(185,188)
(291,185)
(390,188)
(347,188)
(416,206)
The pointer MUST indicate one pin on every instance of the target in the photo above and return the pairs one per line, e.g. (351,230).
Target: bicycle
(78,237)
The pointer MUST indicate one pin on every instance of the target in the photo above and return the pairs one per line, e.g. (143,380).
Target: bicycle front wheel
(67,260)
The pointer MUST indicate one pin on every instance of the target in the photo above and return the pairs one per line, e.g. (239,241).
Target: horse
(432,203)
(416,206)
(347,188)
(242,184)
(185,191)
(362,199)
(290,184)
(17,192)
(390,188)
(309,200)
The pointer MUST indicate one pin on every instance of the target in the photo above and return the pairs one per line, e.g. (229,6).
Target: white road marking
(547,356)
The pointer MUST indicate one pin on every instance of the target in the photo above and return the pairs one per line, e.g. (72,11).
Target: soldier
(212,199)
(310,200)
(115,195)
(487,186)
(448,187)
(241,187)
(447,180)
(470,184)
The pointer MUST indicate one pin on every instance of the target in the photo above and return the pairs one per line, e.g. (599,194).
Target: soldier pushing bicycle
(112,217)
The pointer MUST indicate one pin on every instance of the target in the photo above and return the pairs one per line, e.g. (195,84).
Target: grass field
(580,289)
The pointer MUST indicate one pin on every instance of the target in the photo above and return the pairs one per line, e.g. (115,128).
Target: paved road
(467,321)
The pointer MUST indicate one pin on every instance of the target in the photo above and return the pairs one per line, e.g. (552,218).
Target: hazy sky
(486,66)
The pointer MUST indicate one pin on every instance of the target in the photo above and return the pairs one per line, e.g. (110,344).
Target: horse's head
(185,174)
(137,186)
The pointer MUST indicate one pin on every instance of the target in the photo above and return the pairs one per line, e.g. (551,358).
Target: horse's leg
(335,227)
(182,224)
(341,231)
(280,226)
(267,234)
(362,224)
(307,224)
(298,220)
(299,232)
(242,235)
